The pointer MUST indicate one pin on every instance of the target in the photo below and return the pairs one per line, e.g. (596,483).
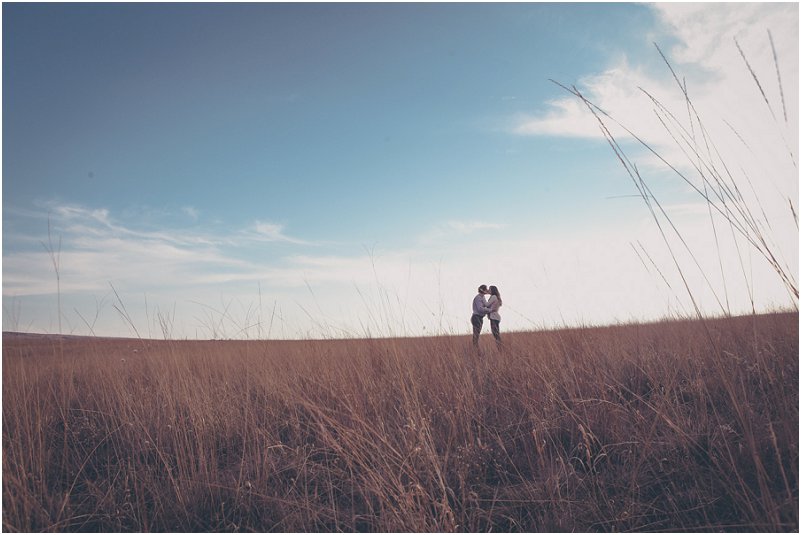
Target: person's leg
(477,322)
(496,331)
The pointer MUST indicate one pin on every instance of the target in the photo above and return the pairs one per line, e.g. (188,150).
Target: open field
(676,426)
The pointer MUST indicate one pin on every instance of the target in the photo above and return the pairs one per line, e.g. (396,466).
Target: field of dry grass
(675,426)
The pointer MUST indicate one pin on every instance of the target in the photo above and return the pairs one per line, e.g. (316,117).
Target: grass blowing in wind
(627,428)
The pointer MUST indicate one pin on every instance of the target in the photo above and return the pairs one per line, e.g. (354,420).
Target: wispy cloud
(718,81)
(272,232)
(468,227)
(96,249)
(744,128)
(613,90)
(417,290)
(192,212)
(455,229)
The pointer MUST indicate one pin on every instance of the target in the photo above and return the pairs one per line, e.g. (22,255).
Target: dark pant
(496,330)
(477,322)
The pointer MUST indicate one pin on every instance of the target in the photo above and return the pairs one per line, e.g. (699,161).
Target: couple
(483,306)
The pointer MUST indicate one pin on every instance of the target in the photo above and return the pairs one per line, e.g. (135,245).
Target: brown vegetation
(673,426)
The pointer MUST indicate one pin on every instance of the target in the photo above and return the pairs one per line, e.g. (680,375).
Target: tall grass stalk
(55,258)
(714,184)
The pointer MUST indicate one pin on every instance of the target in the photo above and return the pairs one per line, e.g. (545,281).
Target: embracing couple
(487,307)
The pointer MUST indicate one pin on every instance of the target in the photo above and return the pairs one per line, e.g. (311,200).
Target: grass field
(675,426)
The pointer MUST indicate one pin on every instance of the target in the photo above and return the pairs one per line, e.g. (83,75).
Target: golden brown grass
(671,426)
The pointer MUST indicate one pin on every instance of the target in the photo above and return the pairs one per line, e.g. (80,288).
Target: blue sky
(357,168)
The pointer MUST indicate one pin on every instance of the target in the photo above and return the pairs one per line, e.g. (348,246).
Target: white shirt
(494,304)
(480,305)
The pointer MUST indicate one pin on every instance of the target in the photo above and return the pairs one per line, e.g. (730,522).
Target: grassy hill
(674,426)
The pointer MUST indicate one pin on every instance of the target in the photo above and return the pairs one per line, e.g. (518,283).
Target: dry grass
(672,426)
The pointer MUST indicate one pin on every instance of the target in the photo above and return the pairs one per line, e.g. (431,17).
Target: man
(480,309)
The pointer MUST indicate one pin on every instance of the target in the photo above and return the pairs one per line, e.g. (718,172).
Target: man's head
(482,289)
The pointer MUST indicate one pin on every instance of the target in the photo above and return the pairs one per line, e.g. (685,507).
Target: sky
(348,170)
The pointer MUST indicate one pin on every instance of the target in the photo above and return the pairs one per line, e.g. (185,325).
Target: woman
(494,303)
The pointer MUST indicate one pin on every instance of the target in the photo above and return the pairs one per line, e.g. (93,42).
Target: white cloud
(96,249)
(747,144)
(615,90)
(192,212)
(455,229)
(723,91)
(272,232)
(468,227)
(593,277)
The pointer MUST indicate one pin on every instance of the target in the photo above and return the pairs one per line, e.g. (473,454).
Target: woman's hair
(494,291)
